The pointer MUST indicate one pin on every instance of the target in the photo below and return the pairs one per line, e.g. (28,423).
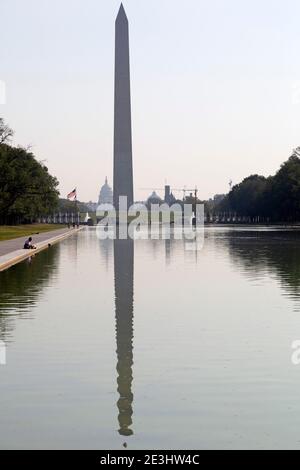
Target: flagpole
(76,208)
(70,196)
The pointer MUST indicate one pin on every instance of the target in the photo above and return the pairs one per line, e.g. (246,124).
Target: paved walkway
(8,246)
(12,252)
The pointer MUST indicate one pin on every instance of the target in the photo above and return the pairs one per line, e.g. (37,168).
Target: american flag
(72,195)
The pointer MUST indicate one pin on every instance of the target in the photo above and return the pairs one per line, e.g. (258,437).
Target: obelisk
(123,174)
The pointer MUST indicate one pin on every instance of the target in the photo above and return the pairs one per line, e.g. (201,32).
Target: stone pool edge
(15,257)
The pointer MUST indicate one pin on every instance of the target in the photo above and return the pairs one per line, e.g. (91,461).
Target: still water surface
(152,345)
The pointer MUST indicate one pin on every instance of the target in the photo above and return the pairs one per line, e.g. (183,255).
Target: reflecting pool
(152,344)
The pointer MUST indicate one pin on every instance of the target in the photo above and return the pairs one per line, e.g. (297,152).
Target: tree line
(27,190)
(273,199)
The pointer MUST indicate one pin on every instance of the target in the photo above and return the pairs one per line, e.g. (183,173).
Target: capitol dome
(106,194)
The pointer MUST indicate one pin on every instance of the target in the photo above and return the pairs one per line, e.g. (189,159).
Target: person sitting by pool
(28,244)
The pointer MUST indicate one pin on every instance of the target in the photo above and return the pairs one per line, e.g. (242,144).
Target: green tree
(284,193)
(65,205)
(246,198)
(27,190)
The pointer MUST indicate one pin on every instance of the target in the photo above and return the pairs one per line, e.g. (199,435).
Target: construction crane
(185,190)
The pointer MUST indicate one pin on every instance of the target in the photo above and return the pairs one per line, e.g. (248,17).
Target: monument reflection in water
(123,271)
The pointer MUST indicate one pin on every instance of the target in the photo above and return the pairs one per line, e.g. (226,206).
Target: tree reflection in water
(272,253)
(21,286)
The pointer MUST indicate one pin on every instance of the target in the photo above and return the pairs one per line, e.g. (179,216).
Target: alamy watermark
(159,221)
(295,358)
(2,353)
(2,92)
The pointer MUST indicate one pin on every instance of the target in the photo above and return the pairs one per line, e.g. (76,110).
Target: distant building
(154,198)
(106,194)
(169,197)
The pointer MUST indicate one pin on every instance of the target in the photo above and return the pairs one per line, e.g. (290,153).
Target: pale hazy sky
(215,88)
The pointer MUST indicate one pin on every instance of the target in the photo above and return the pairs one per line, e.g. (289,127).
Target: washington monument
(123,175)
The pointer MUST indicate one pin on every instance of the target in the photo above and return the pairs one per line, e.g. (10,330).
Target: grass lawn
(8,232)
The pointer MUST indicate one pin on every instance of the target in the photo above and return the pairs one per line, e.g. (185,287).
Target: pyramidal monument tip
(122,11)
